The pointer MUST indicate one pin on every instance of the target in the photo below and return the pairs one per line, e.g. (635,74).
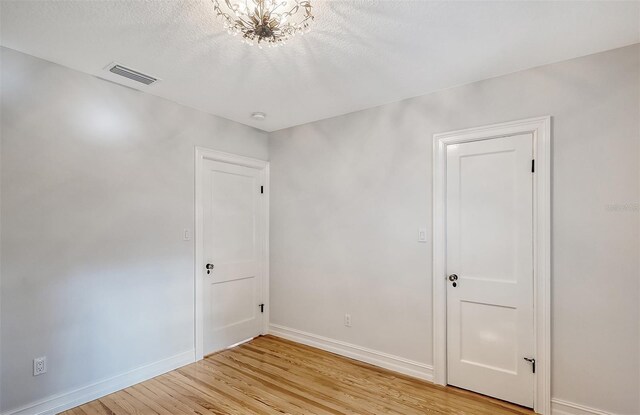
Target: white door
(489,226)
(233,232)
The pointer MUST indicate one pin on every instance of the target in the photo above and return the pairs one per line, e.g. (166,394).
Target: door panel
(488,336)
(232,303)
(490,248)
(487,207)
(231,234)
(233,217)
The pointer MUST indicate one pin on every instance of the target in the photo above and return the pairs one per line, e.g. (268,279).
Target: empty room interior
(319,207)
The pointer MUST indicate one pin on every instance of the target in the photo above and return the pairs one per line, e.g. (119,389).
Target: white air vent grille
(131,74)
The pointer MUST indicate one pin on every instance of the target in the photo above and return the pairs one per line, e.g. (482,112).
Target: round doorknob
(209,266)
(453,277)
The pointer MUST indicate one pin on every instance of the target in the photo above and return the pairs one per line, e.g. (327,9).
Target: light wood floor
(273,376)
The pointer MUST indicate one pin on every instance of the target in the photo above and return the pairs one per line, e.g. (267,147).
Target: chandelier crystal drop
(270,22)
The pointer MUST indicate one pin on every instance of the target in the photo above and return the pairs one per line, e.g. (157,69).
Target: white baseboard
(560,407)
(376,358)
(62,402)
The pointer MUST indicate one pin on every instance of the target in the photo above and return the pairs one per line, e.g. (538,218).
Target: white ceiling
(359,54)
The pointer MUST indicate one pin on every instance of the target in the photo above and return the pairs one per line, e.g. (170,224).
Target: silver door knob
(209,266)
(453,277)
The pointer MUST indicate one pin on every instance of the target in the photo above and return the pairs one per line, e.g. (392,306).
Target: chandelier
(270,22)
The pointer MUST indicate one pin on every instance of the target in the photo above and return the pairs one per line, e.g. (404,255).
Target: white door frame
(541,129)
(201,155)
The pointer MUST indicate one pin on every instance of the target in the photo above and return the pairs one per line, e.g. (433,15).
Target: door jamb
(202,154)
(541,129)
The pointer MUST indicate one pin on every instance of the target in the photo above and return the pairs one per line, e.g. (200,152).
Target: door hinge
(533,363)
(533,166)
(261,308)
(261,189)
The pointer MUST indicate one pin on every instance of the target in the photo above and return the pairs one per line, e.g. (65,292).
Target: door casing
(540,128)
(202,154)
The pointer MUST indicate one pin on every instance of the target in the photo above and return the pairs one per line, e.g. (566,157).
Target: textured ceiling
(359,54)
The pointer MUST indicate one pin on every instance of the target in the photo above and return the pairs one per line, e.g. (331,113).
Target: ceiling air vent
(131,74)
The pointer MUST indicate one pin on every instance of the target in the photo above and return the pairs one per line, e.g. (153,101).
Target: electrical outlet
(39,365)
(347,320)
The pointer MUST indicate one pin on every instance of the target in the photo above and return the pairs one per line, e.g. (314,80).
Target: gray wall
(349,194)
(97,186)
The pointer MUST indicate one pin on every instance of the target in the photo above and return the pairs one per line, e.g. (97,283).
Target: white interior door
(489,228)
(233,232)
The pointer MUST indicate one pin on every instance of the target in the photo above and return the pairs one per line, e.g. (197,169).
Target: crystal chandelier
(270,22)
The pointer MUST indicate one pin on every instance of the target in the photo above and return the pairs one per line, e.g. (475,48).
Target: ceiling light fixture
(270,22)
(259,115)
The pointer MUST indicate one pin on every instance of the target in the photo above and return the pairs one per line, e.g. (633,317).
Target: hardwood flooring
(269,376)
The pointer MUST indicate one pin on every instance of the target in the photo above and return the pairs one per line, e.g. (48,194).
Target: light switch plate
(422,234)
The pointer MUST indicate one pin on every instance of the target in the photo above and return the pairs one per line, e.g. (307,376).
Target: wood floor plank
(273,376)
(162,403)
(187,397)
(287,399)
(209,398)
(373,385)
(359,401)
(236,392)
(96,407)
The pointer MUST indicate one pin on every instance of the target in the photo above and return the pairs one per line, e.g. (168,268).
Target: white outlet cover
(39,366)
